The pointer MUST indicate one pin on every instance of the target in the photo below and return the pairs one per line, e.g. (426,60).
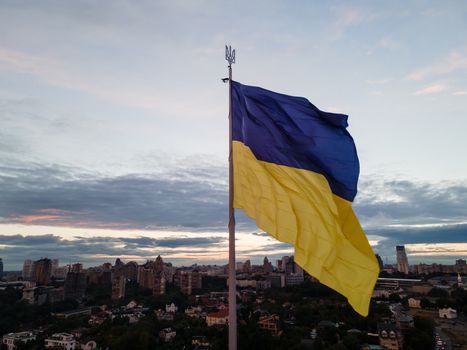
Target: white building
(447,313)
(61,340)
(11,340)
(171,308)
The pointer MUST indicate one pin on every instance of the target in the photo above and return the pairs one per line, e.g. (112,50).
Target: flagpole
(230,57)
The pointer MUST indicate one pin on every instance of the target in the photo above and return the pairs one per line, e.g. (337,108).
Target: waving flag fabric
(295,173)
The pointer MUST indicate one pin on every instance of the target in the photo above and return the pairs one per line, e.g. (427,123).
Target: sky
(114,130)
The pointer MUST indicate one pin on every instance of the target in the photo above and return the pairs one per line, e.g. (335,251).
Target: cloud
(431,89)
(68,75)
(353,16)
(181,248)
(437,249)
(347,17)
(191,202)
(453,62)
(96,250)
(193,196)
(403,202)
(441,244)
(58,196)
(380,81)
(389,43)
(460,93)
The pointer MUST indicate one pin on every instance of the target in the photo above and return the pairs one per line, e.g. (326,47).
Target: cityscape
(123,305)
(233,175)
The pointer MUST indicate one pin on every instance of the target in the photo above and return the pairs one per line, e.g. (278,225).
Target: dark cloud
(17,248)
(260,234)
(195,198)
(381,203)
(61,197)
(425,235)
(191,198)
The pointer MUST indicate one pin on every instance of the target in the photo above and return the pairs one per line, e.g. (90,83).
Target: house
(447,313)
(11,340)
(414,303)
(167,334)
(220,317)
(200,342)
(132,304)
(61,340)
(171,308)
(390,336)
(404,322)
(270,324)
(163,316)
(193,311)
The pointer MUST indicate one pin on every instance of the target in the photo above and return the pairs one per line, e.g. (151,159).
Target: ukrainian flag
(295,173)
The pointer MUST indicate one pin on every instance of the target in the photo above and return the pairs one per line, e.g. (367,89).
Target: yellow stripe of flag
(297,206)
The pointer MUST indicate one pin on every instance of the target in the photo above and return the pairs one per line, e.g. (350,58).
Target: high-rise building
(402,262)
(169,272)
(287,264)
(1,268)
(130,270)
(27,270)
(75,283)
(41,271)
(279,266)
(150,276)
(118,284)
(55,266)
(159,264)
(380,261)
(188,280)
(247,266)
(267,266)
(118,263)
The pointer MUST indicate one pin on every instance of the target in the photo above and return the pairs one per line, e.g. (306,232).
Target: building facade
(188,280)
(118,284)
(11,340)
(41,271)
(151,276)
(75,283)
(61,341)
(217,318)
(390,336)
(270,324)
(402,261)
(27,270)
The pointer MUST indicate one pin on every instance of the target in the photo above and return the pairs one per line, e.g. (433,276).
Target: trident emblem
(229,54)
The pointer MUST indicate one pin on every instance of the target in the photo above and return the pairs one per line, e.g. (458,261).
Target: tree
(351,342)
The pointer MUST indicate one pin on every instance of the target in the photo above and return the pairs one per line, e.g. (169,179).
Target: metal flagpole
(230,57)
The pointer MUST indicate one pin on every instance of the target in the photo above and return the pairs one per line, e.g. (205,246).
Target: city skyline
(399,264)
(113,122)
